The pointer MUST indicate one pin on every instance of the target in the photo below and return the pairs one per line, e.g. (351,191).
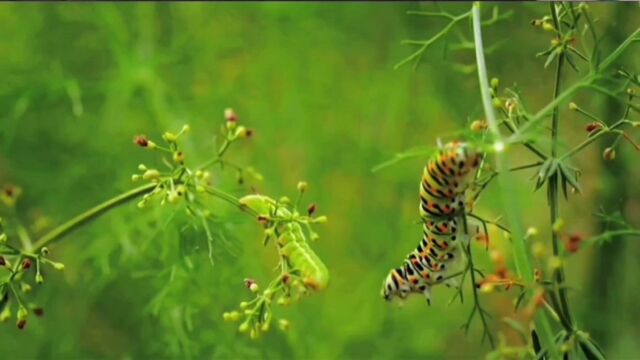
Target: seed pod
(593,128)
(609,154)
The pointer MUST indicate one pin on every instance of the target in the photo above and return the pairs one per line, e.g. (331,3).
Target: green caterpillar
(291,241)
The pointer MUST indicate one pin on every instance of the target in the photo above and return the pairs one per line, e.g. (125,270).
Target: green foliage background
(316,82)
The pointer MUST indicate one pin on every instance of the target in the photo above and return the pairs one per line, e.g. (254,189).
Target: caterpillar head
(395,285)
(261,205)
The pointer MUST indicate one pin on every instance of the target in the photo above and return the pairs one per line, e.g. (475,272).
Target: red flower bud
(22,324)
(286,278)
(26,264)
(230,115)
(249,133)
(249,282)
(572,244)
(311,209)
(9,191)
(38,311)
(537,274)
(593,128)
(141,141)
(3,262)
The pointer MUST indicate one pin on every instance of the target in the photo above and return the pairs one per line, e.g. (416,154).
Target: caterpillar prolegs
(445,180)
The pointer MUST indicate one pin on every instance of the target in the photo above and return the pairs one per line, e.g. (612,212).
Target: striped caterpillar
(445,180)
(291,241)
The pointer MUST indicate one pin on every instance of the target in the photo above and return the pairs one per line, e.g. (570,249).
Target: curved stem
(509,202)
(91,214)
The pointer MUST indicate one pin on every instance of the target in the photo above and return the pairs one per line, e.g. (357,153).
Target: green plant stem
(509,202)
(553,182)
(588,141)
(586,81)
(91,214)
(425,44)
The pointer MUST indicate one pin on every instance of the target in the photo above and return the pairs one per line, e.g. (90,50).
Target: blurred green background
(316,83)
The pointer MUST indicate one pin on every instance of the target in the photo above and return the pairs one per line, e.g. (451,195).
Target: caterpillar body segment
(291,242)
(439,255)
(304,260)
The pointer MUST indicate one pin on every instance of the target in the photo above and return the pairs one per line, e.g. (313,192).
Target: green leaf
(550,58)
(571,178)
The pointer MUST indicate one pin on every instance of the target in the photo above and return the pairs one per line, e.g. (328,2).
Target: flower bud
(242,132)
(25,288)
(497,103)
(26,264)
(609,154)
(311,209)
(254,287)
(573,242)
(151,174)
(5,314)
(230,115)
(548,27)
(265,327)
(185,128)
(253,334)
(234,316)
(178,157)
(314,236)
(478,126)
(487,287)
(141,141)
(554,263)
(283,324)
(172,196)
(38,311)
(244,327)
(593,128)
(631,92)
(58,266)
(169,137)
(3,262)
(22,313)
(302,186)
(3,238)
(135,177)
(495,82)
(283,301)
(573,106)
(284,200)
(181,190)
(321,219)
(39,279)
(537,275)
(244,305)
(558,225)
(531,231)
